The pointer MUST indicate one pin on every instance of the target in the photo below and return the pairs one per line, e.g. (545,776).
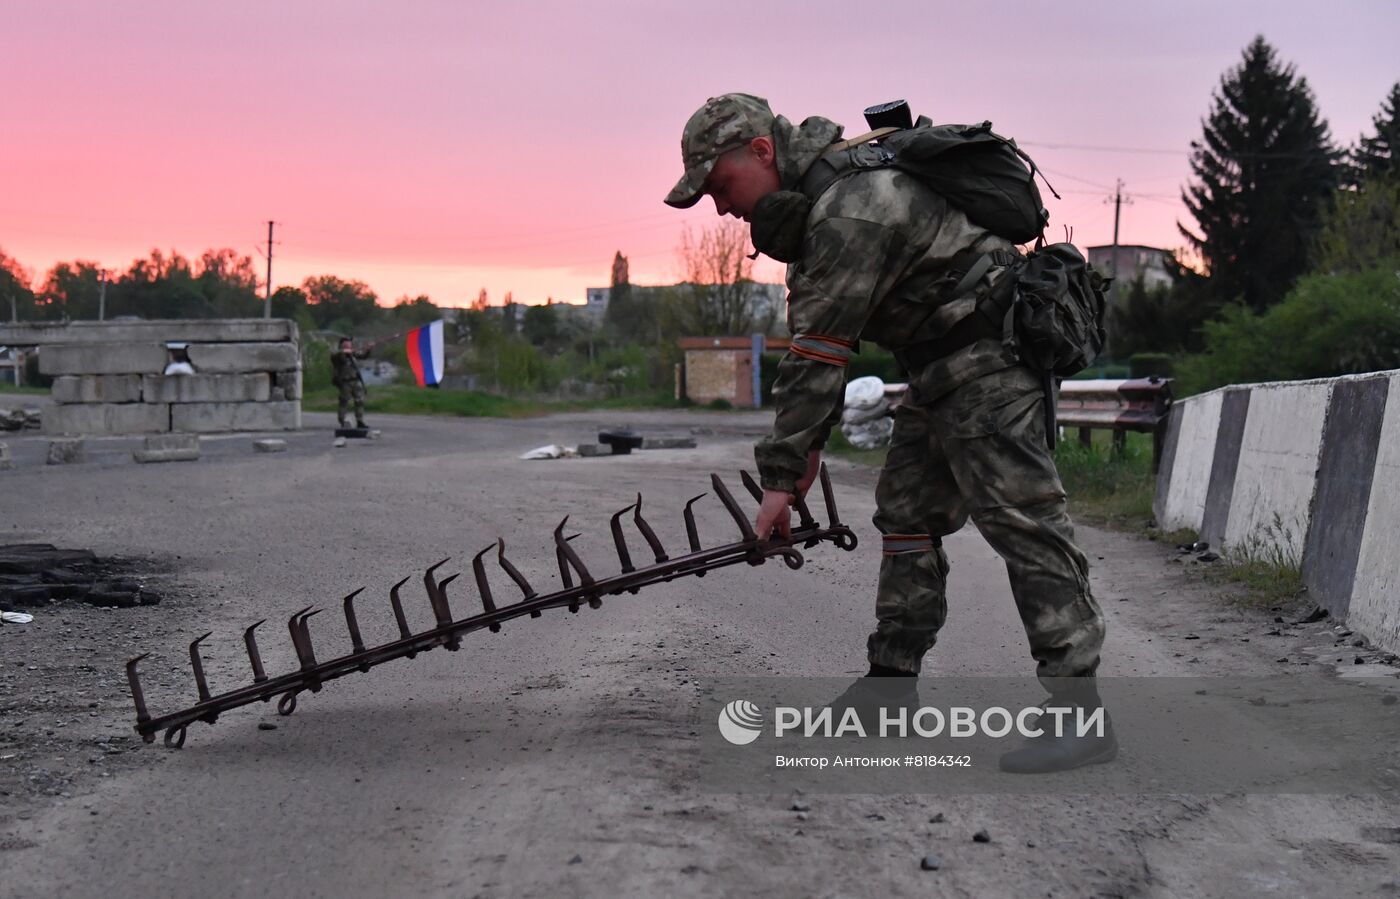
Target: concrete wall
(109,375)
(1306,472)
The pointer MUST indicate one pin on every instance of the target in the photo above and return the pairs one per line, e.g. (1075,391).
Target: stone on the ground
(930,863)
(982,836)
(270,445)
(150,456)
(339,442)
(650,443)
(65,452)
(592,449)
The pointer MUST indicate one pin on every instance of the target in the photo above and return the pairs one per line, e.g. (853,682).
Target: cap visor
(691,187)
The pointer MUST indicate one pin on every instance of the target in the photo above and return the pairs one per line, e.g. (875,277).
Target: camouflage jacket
(876,265)
(343,367)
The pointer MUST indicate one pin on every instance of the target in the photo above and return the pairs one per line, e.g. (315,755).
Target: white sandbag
(865,393)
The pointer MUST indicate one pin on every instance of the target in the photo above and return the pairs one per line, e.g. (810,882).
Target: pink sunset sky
(441,147)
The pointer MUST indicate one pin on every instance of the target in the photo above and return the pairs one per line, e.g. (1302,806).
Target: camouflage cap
(724,123)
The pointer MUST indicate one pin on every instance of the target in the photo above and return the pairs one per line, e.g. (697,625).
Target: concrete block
(235,358)
(1185,501)
(270,446)
(185,442)
(206,418)
(593,449)
(107,418)
(1277,473)
(148,456)
(97,389)
(235,330)
(103,359)
(65,452)
(1374,608)
(202,388)
(289,382)
(668,443)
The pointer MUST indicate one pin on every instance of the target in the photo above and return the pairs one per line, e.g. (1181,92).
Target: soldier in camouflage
(345,375)
(879,256)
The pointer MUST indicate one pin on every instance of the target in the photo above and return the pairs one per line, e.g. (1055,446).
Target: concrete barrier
(255,388)
(106,418)
(97,389)
(104,371)
(232,358)
(105,359)
(1302,472)
(225,330)
(204,418)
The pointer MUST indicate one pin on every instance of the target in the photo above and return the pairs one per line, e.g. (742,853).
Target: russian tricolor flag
(425,354)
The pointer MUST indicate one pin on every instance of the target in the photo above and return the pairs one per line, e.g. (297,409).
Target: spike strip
(312,673)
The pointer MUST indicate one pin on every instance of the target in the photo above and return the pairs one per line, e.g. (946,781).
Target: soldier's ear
(763,151)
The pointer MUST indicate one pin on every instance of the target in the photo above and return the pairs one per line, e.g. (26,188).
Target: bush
(315,363)
(1329,324)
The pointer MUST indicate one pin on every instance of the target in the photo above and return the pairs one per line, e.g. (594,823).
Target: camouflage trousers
(980,451)
(352,392)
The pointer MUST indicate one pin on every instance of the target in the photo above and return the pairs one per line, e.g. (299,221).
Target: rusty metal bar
(313,673)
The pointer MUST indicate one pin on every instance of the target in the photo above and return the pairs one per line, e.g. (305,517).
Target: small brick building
(721,368)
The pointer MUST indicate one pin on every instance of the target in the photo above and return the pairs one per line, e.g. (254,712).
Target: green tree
(1330,324)
(410,313)
(1376,156)
(1264,173)
(1162,319)
(340,305)
(541,326)
(228,284)
(70,291)
(16,296)
(1362,229)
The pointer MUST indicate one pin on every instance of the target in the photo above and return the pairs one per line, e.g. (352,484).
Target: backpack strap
(842,159)
(863,139)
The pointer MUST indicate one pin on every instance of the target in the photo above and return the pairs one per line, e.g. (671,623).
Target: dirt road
(557,757)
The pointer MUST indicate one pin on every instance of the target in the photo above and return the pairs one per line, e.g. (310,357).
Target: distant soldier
(345,375)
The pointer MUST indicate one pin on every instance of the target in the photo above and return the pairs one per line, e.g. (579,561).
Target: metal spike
(647,532)
(399,618)
(616,525)
(137,695)
(751,485)
(735,512)
(833,520)
(254,659)
(356,643)
(483,586)
(692,533)
(515,575)
(431,586)
(198,665)
(452,642)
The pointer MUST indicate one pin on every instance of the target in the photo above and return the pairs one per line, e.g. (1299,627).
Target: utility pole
(267,299)
(102,295)
(1117,200)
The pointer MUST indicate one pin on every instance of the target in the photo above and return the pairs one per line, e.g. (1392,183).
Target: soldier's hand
(774,515)
(809,477)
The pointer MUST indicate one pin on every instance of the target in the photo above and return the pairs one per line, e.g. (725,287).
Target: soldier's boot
(1066,750)
(880,688)
(360,423)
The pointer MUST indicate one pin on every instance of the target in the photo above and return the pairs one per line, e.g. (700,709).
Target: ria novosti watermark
(1176,735)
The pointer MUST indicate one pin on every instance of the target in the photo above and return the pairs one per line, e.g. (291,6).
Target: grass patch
(838,445)
(1108,488)
(6,387)
(402,399)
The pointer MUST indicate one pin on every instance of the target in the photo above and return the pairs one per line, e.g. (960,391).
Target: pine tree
(1376,156)
(1264,170)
